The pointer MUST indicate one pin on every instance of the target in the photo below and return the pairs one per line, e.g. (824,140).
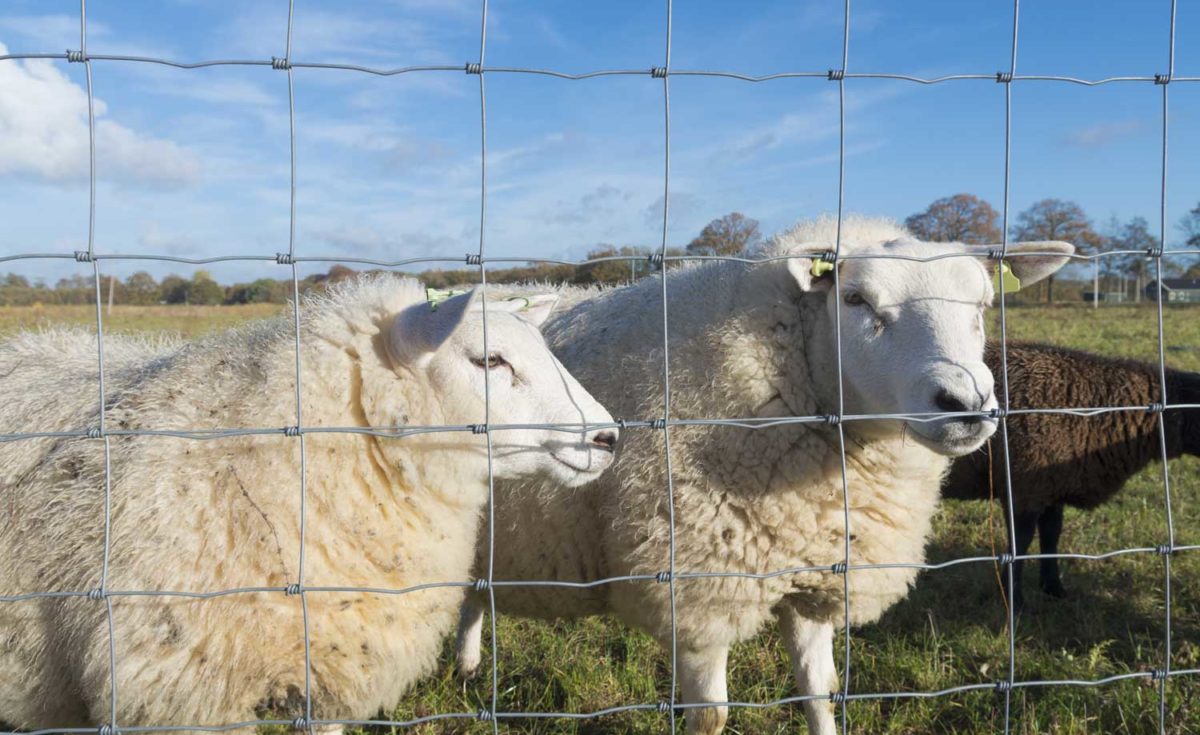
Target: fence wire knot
(95,433)
(1003,686)
(656,259)
(284,259)
(663,577)
(839,568)
(474,259)
(300,723)
(1154,408)
(837,697)
(107,730)
(97,594)
(836,75)
(481,585)
(292,590)
(479,428)
(621,425)
(292,431)
(833,419)
(281,64)
(1162,79)
(76,57)
(1158,674)
(1004,77)
(83,256)
(1006,559)
(829,256)
(658,72)
(1155,252)
(1164,549)
(664,708)
(473,67)
(998,412)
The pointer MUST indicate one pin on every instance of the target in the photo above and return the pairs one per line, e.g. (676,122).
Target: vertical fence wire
(666,357)
(840,77)
(494,704)
(100,594)
(1007,685)
(1164,399)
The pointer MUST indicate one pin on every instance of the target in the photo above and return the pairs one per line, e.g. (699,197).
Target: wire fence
(480,258)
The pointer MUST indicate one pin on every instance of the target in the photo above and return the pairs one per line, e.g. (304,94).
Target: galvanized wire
(104,593)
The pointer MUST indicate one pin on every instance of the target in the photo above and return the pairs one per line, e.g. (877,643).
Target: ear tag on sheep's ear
(820,268)
(524,306)
(435,296)
(1005,280)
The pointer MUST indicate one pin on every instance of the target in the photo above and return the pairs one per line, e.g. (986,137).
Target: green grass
(950,631)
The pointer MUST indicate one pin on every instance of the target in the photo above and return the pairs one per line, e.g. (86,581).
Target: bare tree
(732,234)
(958,218)
(1055,219)
(1190,225)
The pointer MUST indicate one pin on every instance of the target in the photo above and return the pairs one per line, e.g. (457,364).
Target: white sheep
(224,513)
(757,342)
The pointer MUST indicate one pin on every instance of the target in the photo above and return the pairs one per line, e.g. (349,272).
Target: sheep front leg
(702,679)
(1050,525)
(470,634)
(810,646)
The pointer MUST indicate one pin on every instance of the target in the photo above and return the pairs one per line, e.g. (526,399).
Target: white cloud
(44,134)
(1103,134)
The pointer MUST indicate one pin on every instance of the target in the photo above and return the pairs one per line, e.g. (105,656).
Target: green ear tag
(820,268)
(1006,280)
(436,296)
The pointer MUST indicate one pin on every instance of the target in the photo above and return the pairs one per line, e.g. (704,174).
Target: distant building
(1176,290)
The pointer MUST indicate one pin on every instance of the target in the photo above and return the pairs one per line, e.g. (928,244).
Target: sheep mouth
(593,461)
(954,439)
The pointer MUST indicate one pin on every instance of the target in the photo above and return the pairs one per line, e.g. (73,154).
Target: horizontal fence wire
(668,705)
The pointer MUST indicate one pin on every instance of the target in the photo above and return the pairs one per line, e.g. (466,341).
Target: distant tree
(1193,272)
(729,235)
(614,271)
(261,291)
(173,290)
(15,280)
(1190,225)
(958,218)
(141,289)
(204,290)
(1135,235)
(1055,219)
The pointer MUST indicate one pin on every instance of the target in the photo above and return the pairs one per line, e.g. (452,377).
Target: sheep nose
(605,440)
(950,403)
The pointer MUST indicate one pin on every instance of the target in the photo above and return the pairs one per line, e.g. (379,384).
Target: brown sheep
(1060,460)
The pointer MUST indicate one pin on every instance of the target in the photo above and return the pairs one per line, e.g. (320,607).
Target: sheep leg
(1049,529)
(702,679)
(1026,526)
(470,634)
(810,646)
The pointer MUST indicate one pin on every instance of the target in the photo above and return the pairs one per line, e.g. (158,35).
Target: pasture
(950,631)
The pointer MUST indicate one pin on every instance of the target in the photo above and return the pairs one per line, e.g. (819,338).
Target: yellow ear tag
(1006,280)
(435,296)
(820,268)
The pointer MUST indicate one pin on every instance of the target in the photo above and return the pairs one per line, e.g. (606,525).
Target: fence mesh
(668,707)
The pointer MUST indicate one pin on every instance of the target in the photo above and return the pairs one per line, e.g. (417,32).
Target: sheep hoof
(1055,589)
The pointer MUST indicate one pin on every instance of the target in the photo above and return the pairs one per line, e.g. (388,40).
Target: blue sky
(195,163)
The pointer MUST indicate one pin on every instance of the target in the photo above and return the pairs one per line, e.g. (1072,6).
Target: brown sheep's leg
(1049,529)
(1026,526)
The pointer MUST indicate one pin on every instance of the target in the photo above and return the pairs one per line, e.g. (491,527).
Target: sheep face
(527,385)
(913,336)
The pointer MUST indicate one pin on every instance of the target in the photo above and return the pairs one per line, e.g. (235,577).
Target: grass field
(950,631)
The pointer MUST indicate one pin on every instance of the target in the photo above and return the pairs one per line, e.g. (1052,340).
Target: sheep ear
(534,308)
(1053,254)
(1028,269)
(811,274)
(418,331)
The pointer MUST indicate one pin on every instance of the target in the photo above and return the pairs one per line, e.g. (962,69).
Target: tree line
(958,218)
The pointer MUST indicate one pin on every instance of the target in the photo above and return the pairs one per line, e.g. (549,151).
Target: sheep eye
(490,362)
(853,298)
